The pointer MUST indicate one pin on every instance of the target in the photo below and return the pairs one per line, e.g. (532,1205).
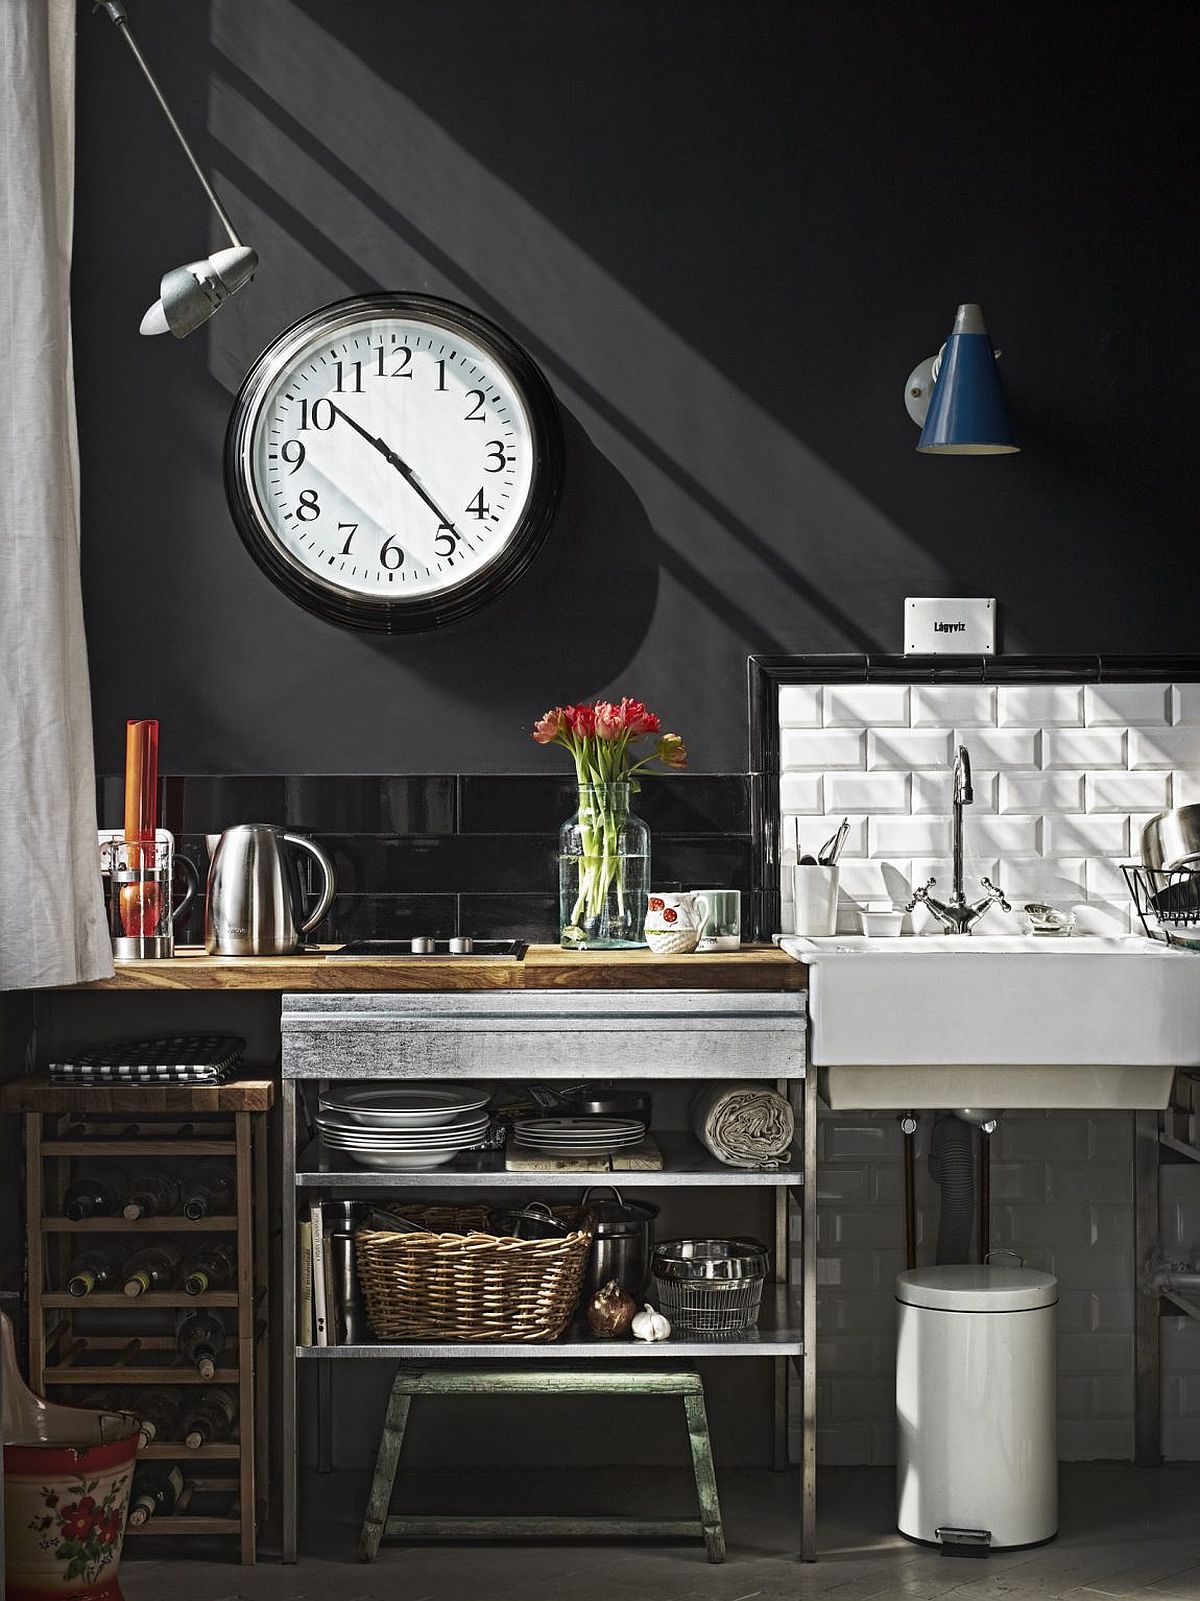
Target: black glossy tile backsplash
(446,854)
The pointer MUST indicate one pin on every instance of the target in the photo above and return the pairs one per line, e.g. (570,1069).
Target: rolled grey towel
(744,1125)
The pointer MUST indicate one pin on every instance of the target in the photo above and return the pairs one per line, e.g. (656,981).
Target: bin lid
(969,1287)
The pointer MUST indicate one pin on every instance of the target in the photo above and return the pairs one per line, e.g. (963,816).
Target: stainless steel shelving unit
(538,1035)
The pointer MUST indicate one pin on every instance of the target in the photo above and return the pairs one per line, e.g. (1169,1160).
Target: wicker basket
(454,1282)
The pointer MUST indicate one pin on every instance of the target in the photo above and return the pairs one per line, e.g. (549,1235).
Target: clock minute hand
(401,466)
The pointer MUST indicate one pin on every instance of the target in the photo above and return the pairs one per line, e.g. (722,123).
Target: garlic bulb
(650,1325)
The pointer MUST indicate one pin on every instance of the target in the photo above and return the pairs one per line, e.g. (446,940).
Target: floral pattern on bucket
(604,851)
(82,1532)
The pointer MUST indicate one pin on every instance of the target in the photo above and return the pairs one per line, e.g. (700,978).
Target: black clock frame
(419,614)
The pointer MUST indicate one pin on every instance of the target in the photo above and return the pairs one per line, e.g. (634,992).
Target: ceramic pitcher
(675,920)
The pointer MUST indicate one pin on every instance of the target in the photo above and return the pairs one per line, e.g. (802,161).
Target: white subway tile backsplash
(1085,748)
(1041,706)
(1128,792)
(1041,792)
(1001,747)
(1104,917)
(864,881)
(1029,878)
(954,706)
(1098,835)
(801,792)
(800,706)
(866,706)
(907,749)
(1185,788)
(1164,747)
(1105,881)
(1185,703)
(821,749)
(908,836)
(867,792)
(1123,705)
(931,792)
(1004,836)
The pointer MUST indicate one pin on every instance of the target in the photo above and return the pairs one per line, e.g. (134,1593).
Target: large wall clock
(393,461)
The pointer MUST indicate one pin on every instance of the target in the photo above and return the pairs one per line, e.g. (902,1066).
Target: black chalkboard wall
(726,232)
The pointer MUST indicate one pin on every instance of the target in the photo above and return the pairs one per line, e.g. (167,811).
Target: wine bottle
(90,1271)
(94,1196)
(209,1269)
(207,1189)
(157,1410)
(153,1193)
(157,1487)
(156,1267)
(201,1339)
(108,1399)
(209,1419)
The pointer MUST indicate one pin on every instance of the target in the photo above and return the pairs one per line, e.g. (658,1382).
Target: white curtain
(51,908)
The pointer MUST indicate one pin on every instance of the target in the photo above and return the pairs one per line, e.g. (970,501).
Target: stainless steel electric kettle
(256,901)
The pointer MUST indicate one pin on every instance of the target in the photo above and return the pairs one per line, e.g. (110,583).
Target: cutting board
(643,1158)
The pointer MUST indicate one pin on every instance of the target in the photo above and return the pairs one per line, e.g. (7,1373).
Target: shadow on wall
(343,192)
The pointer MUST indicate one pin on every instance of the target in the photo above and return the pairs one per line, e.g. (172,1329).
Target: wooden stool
(452,1380)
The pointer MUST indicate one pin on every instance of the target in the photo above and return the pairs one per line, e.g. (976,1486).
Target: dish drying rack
(1167,900)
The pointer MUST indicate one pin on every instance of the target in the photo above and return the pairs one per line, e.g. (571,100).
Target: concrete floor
(1124,1532)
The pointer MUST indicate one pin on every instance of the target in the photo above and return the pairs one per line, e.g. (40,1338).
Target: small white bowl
(880,922)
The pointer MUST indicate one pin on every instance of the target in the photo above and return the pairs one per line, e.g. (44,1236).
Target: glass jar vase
(603,872)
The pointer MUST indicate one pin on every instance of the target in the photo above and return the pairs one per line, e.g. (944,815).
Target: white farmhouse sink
(999,1021)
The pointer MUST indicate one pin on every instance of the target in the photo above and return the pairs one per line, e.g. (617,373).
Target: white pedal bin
(977,1457)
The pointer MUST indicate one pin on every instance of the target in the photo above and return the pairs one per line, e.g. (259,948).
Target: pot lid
(969,1287)
(618,1216)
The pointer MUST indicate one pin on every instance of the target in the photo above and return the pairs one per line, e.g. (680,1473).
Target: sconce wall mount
(955,397)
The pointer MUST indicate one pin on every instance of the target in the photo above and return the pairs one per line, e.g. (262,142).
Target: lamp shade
(967,415)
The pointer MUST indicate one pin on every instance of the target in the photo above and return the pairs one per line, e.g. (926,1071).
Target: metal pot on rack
(623,1234)
(533,1221)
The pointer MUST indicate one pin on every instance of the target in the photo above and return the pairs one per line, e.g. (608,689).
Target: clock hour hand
(401,466)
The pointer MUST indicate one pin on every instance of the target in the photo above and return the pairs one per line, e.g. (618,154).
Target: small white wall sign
(935,626)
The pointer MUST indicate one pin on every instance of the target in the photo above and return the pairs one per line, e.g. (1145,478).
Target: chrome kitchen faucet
(957,915)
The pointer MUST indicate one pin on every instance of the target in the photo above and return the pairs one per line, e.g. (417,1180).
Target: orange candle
(141,782)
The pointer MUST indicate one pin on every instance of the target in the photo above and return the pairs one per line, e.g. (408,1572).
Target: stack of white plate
(578,1136)
(404,1127)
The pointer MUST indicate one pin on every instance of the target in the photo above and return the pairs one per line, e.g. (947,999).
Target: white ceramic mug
(675,920)
(815,894)
(723,931)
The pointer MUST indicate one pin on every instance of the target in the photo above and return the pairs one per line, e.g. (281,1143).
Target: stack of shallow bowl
(578,1136)
(404,1127)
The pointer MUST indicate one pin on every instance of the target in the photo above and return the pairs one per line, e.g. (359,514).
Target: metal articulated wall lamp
(955,397)
(189,295)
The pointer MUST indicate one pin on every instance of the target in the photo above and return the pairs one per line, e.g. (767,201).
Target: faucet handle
(920,894)
(995,893)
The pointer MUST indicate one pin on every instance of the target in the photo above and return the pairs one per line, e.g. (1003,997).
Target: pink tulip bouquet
(604,856)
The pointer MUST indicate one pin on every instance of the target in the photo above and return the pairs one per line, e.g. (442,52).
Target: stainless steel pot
(255,903)
(1172,839)
(623,1233)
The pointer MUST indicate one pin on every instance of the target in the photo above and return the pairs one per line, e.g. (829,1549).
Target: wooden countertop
(754,967)
(238,1095)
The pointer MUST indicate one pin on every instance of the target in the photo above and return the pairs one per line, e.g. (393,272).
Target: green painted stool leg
(391,1442)
(706,1477)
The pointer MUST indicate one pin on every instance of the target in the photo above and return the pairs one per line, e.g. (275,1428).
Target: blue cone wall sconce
(955,397)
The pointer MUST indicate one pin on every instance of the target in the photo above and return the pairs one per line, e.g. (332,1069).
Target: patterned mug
(675,921)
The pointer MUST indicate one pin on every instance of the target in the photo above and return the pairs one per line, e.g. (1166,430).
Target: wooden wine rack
(66,1124)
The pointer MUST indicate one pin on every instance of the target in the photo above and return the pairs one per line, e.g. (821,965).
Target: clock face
(393,461)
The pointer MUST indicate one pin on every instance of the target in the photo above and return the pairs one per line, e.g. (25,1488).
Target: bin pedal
(965,1542)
